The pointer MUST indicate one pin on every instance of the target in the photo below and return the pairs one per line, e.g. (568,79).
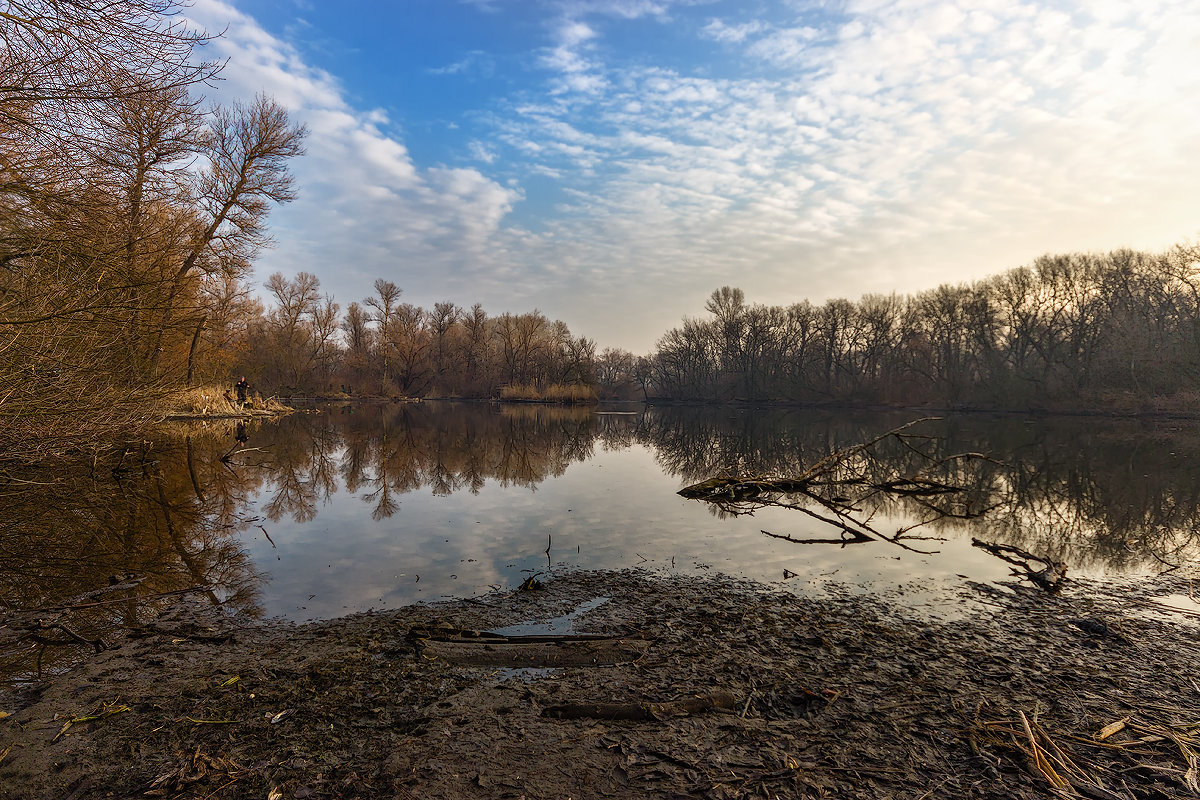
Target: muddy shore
(711,688)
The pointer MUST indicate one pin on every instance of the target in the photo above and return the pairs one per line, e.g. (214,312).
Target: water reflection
(160,518)
(188,510)
(1092,492)
(380,452)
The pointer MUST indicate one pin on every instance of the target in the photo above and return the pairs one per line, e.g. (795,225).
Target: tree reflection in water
(162,518)
(382,451)
(1093,493)
(1096,493)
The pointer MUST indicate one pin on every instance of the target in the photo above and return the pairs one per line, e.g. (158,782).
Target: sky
(612,162)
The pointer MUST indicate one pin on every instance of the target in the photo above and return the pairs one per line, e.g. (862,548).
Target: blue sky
(611,162)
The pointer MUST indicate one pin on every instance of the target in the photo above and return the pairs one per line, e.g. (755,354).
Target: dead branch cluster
(1045,573)
(844,488)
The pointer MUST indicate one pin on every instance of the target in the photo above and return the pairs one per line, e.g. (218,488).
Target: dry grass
(215,400)
(1098,765)
(554,393)
(202,401)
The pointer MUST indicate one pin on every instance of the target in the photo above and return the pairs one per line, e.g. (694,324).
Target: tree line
(304,344)
(1113,330)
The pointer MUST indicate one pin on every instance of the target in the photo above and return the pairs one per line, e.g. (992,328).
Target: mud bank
(742,692)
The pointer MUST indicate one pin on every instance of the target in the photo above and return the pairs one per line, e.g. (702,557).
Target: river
(346,508)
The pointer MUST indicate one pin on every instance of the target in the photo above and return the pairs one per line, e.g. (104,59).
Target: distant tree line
(1115,330)
(383,346)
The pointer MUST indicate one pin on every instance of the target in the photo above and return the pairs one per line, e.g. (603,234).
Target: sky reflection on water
(601,491)
(340,510)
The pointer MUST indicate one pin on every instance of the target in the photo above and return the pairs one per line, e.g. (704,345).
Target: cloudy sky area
(611,162)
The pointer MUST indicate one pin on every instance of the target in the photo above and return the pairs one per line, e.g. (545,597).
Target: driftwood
(834,490)
(1049,576)
(481,648)
(847,537)
(643,711)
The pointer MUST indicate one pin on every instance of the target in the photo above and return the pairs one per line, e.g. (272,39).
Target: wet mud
(681,687)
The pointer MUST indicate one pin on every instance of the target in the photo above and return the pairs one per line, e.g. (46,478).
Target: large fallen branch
(1048,574)
(835,490)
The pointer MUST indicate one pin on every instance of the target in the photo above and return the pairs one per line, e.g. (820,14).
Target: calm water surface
(372,506)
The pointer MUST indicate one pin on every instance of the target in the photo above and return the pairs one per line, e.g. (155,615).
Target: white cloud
(482,152)
(894,146)
(474,62)
(918,142)
(720,31)
(787,46)
(365,209)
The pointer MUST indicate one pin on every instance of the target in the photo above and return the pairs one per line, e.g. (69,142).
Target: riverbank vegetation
(1110,331)
(130,215)
(384,347)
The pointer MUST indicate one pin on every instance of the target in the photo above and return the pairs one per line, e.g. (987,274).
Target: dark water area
(344,508)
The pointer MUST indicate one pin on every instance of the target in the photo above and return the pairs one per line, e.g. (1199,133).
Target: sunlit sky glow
(611,162)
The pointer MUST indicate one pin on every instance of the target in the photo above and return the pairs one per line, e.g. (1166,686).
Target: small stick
(119,600)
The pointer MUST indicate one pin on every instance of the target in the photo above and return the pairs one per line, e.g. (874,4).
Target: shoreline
(781,405)
(844,694)
(244,414)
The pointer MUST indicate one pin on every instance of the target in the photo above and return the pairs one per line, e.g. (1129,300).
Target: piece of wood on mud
(536,654)
(485,649)
(643,711)
(1112,728)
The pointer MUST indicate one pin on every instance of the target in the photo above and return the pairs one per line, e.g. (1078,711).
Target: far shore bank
(213,402)
(1180,411)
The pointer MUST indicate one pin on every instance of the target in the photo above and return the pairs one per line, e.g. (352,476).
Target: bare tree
(94,120)
(358,337)
(442,321)
(247,148)
(385,302)
(300,332)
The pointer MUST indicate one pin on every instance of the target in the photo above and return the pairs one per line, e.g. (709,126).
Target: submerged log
(733,487)
(1049,576)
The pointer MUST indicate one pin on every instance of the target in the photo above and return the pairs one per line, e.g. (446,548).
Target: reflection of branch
(135,598)
(1163,561)
(829,483)
(833,459)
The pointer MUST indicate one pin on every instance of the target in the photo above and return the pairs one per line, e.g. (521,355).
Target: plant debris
(738,692)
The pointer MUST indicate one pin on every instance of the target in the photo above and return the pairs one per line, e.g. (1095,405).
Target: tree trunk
(191,370)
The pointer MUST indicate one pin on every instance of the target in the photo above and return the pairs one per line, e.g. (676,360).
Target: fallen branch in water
(1050,576)
(848,537)
(833,491)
